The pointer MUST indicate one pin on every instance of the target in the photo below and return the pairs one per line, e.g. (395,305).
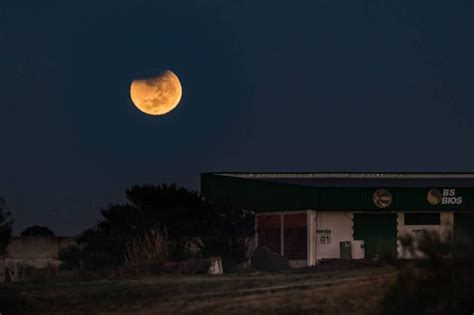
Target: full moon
(156,95)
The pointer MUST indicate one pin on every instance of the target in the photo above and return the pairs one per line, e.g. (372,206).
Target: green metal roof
(266,192)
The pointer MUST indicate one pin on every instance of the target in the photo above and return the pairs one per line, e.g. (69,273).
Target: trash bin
(346,250)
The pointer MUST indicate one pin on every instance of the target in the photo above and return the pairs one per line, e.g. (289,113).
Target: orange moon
(156,95)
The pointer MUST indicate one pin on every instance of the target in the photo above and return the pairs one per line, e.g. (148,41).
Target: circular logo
(382,198)
(434,196)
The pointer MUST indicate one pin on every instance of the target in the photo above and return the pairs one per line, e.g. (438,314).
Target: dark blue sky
(267,86)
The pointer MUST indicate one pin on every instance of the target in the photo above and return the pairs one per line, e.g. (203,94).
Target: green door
(464,226)
(379,232)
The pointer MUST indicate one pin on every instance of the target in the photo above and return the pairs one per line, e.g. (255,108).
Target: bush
(70,258)
(233,251)
(441,284)
(181,250)
(85,258)
(98,261)
(37,230)
(192,224)
(6,222)
(150,248)
(385,251)
(115,239)
(230,230)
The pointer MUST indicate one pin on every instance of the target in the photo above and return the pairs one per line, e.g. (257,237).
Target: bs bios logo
(434,196)
(444,196)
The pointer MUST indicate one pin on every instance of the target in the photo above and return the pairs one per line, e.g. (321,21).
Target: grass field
(338,292)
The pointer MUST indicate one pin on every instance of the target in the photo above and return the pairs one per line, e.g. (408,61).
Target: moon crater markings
(158,95)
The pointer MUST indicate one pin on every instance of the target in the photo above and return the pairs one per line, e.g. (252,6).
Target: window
(428,218)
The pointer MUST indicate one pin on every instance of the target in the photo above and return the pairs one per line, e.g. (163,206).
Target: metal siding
(252,194)
(295,236)
(374,182)
(269,232)
(260,195)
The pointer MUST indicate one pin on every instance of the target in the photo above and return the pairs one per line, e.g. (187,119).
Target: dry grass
(355,292)
(150,248)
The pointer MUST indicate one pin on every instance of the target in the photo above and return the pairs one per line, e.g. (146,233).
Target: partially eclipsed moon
(157,95)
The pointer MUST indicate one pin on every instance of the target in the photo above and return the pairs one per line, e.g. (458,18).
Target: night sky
(267,86)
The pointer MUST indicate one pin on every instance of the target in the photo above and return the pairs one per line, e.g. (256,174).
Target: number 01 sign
(324,236)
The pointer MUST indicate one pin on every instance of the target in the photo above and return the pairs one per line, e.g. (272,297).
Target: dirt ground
(305,292)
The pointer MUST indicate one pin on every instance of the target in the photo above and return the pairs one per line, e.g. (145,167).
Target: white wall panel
(332,228)
(444,228)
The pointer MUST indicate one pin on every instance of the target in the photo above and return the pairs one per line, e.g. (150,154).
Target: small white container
(358,250)
(216,266)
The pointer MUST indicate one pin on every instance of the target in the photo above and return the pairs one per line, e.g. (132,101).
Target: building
(305,216)
(32,251)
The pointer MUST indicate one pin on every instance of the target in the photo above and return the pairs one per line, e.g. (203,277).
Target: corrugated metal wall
(260,195)
(291,241)
(269,232)
(295,236)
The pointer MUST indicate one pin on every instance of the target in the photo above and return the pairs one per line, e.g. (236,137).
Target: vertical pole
(282,235)
(400,223)
(310,239)
(256,230)
(315,240)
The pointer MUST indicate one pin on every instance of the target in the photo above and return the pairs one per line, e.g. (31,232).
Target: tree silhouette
(6,223)
(184,215)
(37,230)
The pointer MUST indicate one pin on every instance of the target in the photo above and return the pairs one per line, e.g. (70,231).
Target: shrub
(149,248)
(233,251)
(6,222)
(441,284)
(385,251)
(70,258)
(121,236)
(37,230)
(181,250)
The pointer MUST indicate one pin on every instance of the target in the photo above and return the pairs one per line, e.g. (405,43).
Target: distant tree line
(37,230)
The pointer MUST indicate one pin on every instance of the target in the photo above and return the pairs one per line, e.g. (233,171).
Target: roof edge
(361,175)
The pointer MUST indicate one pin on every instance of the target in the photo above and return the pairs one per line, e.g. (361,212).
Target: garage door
(295,236)
(269,232)
(379,232)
